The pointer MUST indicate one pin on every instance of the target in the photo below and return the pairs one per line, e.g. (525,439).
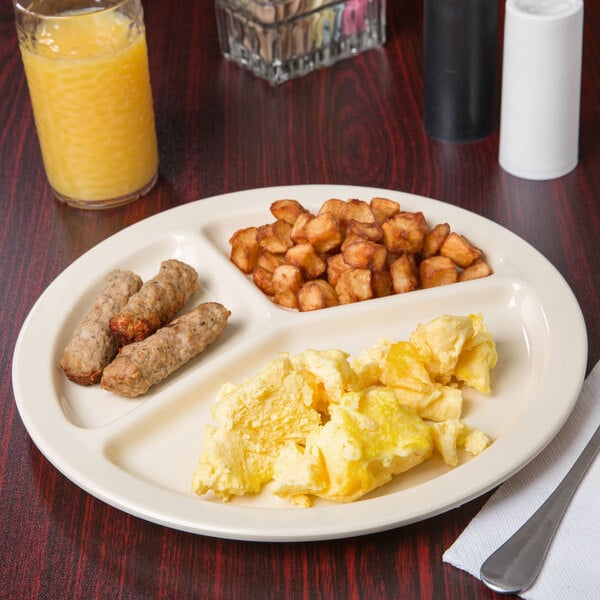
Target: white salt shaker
(541,87)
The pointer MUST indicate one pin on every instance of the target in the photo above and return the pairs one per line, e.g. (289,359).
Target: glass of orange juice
(86,64)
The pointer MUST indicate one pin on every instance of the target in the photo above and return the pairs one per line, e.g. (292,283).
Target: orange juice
(90,90)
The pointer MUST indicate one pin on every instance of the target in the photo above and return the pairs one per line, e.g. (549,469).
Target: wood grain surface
(220,129)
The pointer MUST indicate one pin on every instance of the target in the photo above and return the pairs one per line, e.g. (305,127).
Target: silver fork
(515,565)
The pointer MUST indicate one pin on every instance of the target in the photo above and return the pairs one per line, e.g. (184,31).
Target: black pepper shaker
(460,69)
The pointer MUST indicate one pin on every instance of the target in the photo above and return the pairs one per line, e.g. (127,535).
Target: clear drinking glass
(87,70)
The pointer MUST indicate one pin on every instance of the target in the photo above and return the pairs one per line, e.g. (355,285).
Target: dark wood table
(221,130)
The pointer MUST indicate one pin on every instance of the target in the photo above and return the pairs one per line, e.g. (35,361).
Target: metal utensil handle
(514,566)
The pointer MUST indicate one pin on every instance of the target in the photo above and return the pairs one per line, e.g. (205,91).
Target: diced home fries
(351,250)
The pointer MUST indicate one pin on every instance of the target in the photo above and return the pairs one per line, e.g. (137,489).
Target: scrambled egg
(457,347)
(317,424)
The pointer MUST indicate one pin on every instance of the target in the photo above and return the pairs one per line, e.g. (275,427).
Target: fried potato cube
(475,271)
(384,208)
(368,231)
(404,274)
(335,206)
(298,233)
(460,250)
(275,237)
(286,298)
(434,239)
(305,257)
(354,285)
(270,261)
(324,232)
(381,282)
(263,272)
(335,267)
(316,294)
(287,281)
(245,249)
(364,254)
(349,239)
(358,210)
(391,257)
(287,210)
(405,232)
(437,270)
(287,277)
(263,279)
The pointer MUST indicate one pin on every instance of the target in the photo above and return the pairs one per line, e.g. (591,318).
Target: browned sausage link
(93,345)
(142,364)
(159,299)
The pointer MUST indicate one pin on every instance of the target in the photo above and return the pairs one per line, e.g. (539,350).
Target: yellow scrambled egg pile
(319,424)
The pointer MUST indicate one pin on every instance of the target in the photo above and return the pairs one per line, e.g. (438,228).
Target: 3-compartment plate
(139,454)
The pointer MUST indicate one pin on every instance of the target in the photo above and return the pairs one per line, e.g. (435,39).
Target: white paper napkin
(572,568)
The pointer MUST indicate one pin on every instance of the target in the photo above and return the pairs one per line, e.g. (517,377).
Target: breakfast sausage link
(93,346)
(142,364)
(155,304)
